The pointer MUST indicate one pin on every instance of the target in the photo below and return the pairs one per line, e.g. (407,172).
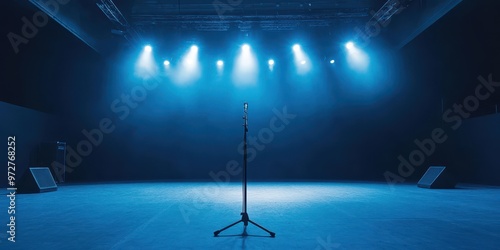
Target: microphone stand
(244,215)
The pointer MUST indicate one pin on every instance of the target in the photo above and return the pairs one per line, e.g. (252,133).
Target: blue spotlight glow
(166,62)
(271,64)
(245,47)
(145,66)
(245,69)
(332,61)
(349,45)
(220,66)
(301,60)
(357,58)
(189,69)
(190,60)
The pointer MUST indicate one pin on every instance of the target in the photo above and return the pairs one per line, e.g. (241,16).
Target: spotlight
(189,69)
(301,60)
(332,61)
(271,64)
(245,69)
(220,66)
(145,66)
(349,45)
(166,62)
(357,58)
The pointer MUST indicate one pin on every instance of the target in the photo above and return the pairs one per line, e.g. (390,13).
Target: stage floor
(304,215)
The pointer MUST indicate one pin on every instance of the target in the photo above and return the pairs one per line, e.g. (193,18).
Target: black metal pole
(245,118)
(244,215)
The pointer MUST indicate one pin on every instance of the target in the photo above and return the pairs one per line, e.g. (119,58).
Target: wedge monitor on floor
(436,177)
(37,180)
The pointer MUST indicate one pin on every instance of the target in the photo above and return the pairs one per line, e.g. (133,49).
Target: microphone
(245,106)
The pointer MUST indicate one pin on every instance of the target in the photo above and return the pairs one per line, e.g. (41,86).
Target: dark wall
(30,128)
(447,61)
(47,83)
(475,149)
(53,71)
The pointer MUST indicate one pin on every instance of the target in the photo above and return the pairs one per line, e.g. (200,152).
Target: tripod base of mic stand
(245,220)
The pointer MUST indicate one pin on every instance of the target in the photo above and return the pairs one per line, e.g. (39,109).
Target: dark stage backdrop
(325,126)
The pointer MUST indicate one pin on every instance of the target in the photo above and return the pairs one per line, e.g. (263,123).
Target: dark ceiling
(106,24)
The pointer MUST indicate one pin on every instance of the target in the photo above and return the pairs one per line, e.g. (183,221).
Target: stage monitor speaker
(53,155)
(436,177)
(37,180)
